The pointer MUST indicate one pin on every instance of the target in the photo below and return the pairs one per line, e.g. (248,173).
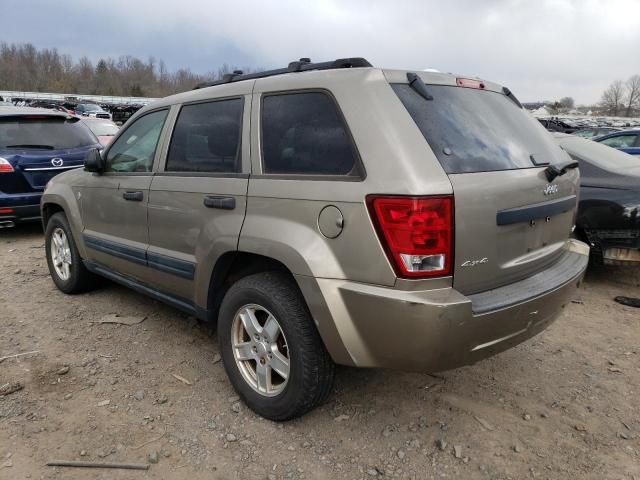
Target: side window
(621,141)
(134,150)
(303,133)
(206,138)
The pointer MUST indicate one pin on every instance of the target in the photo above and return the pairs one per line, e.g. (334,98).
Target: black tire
(311,370)
(80,279)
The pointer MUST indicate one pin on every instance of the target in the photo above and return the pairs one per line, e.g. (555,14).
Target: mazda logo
(57,162)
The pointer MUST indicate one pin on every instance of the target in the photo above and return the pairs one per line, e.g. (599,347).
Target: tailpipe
(7,224)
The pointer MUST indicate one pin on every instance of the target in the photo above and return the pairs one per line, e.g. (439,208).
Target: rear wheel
(271,349)
(64,261)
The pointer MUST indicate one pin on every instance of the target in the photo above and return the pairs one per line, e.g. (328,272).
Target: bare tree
(567,102)
(25,68)
(633,94)
(612,98)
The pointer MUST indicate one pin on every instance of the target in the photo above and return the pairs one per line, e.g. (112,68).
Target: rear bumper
(25,207)
(434,330)
(616,247)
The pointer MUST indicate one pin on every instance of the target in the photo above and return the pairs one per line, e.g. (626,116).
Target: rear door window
(43,132)
(473,130)
(304,133)
(206,138)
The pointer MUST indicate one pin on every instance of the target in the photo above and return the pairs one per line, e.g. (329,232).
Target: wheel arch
(231,267)
(49,209)
(234,265)
(55,202)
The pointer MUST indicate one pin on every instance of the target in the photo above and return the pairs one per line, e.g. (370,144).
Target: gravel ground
(565,404)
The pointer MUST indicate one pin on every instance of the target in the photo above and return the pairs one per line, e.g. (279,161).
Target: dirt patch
(564,404)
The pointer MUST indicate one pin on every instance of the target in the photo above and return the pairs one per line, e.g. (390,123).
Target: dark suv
(35,145)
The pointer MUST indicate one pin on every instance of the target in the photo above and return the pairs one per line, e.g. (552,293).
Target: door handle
(224,203)
(133,196)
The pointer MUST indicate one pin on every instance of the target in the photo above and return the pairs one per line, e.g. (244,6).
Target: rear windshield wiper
(558,169)
(40,147)
(418,85)
(510,95)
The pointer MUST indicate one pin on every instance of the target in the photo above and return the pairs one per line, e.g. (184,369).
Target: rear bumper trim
(570,265)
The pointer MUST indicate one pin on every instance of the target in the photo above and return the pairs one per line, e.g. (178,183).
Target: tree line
(622,98)
(23,67)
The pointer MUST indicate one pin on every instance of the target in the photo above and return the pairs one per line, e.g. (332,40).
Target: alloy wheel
(61,254)
(260,350)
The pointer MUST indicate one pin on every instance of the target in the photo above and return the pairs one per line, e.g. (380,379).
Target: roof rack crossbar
(302,65)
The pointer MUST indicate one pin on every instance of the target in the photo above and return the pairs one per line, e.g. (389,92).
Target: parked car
(557,125)
(35,145)
(627,141)
(121,113)
(609,210)
(50,105)
(595,131)
(330,213)
(104,129)
(91,110)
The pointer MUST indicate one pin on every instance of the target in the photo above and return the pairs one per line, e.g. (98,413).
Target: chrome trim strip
(51,168)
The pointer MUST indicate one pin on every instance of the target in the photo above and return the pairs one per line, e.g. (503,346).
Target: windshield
(584,133)
(50,133)
(103,129)
(472,130)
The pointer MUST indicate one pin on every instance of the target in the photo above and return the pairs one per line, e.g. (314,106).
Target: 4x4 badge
(550,189)
(473,263)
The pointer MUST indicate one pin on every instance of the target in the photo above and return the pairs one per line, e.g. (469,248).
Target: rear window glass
(472,130)
(206,138)
(44,133)
(303,133)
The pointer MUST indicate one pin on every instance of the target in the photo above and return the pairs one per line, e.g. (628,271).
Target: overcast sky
(541,49)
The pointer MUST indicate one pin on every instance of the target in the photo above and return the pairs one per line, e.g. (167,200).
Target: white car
(91,110)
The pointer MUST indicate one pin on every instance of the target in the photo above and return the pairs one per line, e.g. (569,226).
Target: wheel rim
(260,350)
(61,254)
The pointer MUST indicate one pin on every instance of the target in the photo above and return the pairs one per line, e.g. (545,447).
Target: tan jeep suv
(330,213)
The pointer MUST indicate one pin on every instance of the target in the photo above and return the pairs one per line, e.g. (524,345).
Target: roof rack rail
(301,65)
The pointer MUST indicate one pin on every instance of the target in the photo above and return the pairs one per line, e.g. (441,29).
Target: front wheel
(271,349)
(64,261)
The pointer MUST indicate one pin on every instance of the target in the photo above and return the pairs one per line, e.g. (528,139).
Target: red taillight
(4,211)
(5,166)
(417,233)
(469,83)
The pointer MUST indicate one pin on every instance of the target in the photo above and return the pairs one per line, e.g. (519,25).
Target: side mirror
(93,161)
